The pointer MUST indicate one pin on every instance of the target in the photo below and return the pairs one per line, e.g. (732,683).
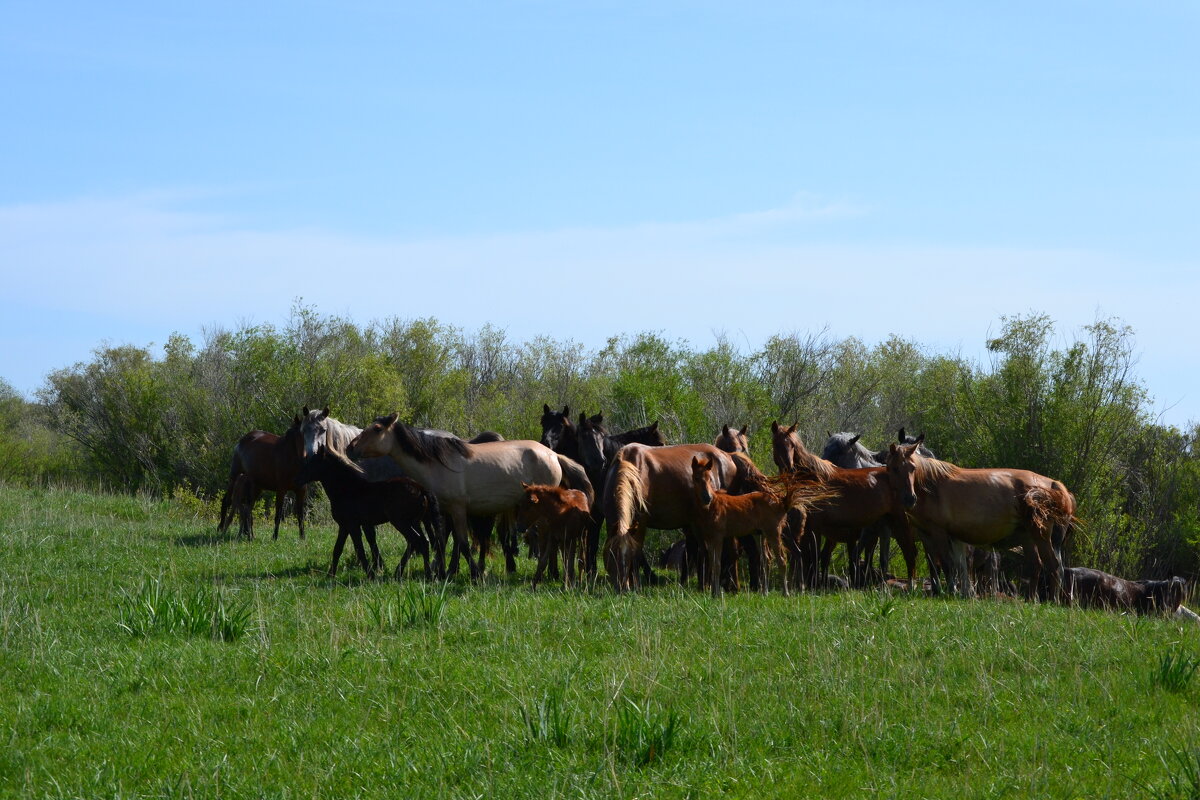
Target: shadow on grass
(204,539)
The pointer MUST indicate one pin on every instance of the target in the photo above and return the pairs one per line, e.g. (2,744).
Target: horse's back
(494,472)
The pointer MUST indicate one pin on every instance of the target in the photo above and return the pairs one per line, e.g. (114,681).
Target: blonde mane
(931,470)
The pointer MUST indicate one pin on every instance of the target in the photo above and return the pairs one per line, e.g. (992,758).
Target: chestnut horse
(651,487)
(952,505)
(483,479)
(861,498)
(561,517)
(271,462)
(726,516)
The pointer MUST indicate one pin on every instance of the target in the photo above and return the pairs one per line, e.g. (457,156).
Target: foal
(725,516)
(358,505)
(561,517)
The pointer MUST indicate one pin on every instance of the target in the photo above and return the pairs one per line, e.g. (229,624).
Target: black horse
(558,433)
(358,505)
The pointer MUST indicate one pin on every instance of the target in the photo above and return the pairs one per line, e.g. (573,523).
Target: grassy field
(308,687)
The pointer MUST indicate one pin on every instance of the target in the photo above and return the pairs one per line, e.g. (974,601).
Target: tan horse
(950,505)
(479,479)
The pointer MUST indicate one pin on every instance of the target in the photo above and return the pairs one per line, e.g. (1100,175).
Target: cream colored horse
(477,479)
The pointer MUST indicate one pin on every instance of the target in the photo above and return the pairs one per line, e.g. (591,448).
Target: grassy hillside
(351,689)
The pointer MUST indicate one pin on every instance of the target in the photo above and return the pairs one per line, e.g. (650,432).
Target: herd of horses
(579,479)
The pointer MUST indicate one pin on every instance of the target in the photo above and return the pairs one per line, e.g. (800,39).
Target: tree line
(133,420)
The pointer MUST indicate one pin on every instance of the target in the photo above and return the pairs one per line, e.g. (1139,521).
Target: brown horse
(951,505)
(861,498)
(561,517)
(651,487)
(725,516)
(731,440)
(468,478)
(271,462)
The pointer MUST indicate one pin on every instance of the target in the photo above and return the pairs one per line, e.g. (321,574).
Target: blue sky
(754,168)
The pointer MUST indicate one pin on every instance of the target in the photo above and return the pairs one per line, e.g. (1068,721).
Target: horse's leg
(826,557)
(376,557)
(755,562)
(545,552)
(462,539)
(508,541)
(343,531)
(1051,565)
(572,543)
(691,560)
(591,546)
(356,538)
(714,546)
(1033,561)
(278,512)
(958,558)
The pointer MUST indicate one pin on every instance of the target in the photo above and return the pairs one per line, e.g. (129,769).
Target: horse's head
(556,426)
(590,436)
(314,427)
(702,479)
(922,450)
(845,451)
(731,440)
(375,440)
(783,446)
(902,471)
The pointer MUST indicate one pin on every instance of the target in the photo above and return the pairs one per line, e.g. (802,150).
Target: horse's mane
(931,470)
(805,461)
(427,447)
(338,434)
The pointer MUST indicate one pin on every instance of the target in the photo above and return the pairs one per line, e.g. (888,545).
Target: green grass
(349,688)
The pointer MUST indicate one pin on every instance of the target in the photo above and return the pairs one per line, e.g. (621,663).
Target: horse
(1092,588)
(844,450)
(359,504)
(732,440)
(651,487)
(271,462)
(861,498)
(596,451)
(558,433)
(561,517)
(321,430)
(483,479)
(726,516)
(952,505)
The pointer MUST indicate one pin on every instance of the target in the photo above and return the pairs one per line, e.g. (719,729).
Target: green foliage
(155,608)
(1073,410)
(643,734)
(548,719)
(1176,670)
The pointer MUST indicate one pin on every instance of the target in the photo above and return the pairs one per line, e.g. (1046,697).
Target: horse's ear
(725,429)
(390,419)
(745,429)
(920,438)
(774,426)
(599,418)
(901,435)
(304,411)
(545,408)
(695,461)
(654,427)
(566,411)
(296,419)
(892,448)
(324,412)
(854,440)
(793,428)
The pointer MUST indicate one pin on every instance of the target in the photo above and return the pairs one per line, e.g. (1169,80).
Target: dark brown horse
(558,433)
(951,505)
(651,487)
(271,462)
(1095,589)
(862,498)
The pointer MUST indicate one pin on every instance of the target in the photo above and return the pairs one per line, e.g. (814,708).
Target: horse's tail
(629,496)
(235,469)
(574,476)
(1052,508)
(803,494)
